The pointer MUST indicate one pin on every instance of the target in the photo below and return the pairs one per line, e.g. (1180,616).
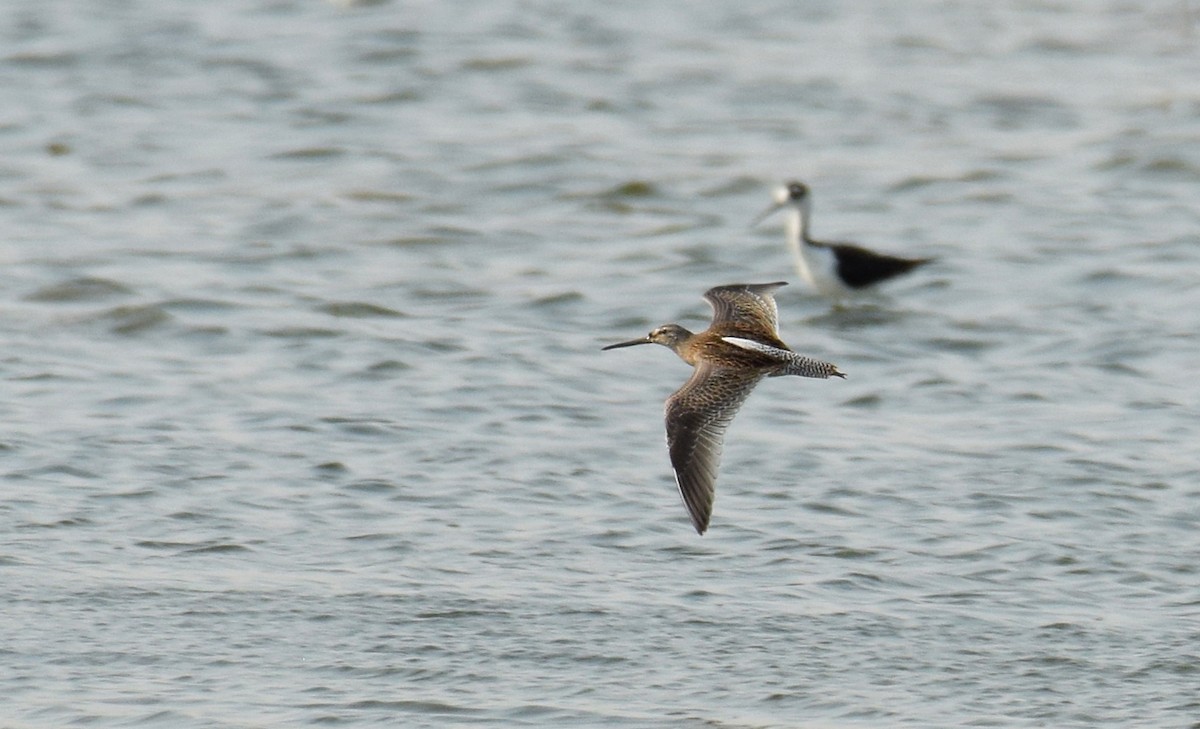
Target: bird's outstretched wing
(748,307)
(697,416)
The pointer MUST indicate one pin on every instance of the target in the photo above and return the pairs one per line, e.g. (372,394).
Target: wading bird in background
(835,270)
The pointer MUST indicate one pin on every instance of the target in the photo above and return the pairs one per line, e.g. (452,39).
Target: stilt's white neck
(797,222)
(805,256)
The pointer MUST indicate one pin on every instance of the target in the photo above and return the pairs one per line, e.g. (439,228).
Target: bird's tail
(803,366)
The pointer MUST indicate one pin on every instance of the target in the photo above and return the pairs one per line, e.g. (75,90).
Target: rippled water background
(305,419)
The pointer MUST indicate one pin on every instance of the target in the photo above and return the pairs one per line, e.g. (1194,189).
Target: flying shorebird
(835,270)
(738,349)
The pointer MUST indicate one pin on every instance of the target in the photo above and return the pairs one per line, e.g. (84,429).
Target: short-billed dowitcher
(738,349)
(835,270)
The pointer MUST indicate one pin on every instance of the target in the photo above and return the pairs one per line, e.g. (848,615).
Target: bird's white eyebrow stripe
(748,344)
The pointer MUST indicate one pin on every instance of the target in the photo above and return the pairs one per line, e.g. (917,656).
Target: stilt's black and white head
(792,192)
(793,195)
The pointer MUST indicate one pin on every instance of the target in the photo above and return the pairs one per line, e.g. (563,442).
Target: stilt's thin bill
(765,214)
(630,343)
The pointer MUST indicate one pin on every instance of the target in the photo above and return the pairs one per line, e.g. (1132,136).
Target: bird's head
(671,336)
(793,194)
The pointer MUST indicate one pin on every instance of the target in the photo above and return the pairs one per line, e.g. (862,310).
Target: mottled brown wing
(745,306)
(697,416)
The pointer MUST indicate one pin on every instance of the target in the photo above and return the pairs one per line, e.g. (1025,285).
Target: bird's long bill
(765,214)
(630,343)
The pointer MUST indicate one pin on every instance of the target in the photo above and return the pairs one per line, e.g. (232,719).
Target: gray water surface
(305,418)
